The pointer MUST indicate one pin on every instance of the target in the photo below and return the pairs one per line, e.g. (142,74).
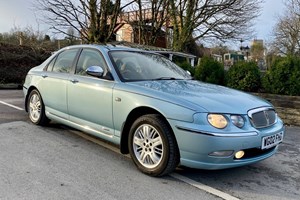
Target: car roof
(103,47)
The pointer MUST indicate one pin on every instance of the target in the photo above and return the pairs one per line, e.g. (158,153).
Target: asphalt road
(57,162)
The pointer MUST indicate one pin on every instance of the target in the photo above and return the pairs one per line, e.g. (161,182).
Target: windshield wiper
(166,78)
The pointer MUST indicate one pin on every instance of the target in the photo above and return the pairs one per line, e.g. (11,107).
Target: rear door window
(51,64)
(64,61)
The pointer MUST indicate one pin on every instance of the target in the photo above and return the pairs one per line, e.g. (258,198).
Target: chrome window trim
(246,134)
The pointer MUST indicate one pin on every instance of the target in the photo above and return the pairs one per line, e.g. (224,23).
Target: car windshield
(143,66)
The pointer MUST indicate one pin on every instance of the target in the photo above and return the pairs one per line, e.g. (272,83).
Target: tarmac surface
(57,162)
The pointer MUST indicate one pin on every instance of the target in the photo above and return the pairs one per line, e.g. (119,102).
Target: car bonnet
(213,98)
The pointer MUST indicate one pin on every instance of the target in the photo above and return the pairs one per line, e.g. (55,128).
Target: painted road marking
(10,105)
(203,187)
(187,180)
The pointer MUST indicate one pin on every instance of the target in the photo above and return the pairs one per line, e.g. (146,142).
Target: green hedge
(283,77)
(244,76)
(210,70)
(16,61)
(187,66)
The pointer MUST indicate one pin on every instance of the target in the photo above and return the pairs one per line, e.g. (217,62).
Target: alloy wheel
(35,107)
(148,146)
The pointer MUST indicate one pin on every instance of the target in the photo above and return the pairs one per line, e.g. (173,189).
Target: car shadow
(256,181)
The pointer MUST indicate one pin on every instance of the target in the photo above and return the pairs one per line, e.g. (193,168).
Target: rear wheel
(36,108)
(152,145)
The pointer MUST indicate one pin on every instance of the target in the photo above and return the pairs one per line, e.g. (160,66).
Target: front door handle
(44,76)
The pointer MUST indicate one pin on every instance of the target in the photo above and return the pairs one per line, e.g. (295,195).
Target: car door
(90,98)
(53,86)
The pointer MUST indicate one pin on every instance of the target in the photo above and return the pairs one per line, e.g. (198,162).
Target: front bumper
(195,146)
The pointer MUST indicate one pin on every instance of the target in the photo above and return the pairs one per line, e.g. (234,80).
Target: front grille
(262,117)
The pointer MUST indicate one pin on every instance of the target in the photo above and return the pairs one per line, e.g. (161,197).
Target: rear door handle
(74,81)
(44,76)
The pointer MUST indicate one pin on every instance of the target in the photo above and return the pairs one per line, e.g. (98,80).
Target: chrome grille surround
(262,117)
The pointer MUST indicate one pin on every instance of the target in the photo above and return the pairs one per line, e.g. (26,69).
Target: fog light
(239,154)
(221,153)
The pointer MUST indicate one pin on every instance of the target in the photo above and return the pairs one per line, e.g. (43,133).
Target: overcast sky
(18,13)
(21,13)
(266,21)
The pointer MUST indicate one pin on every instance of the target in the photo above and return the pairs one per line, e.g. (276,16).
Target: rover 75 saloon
(152,109)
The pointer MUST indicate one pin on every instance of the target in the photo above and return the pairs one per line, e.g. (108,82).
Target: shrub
(210,70)
(16,61)
(187,66)
(283,77)
(244,76)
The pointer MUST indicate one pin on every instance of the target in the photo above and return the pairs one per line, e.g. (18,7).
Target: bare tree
(287,30)
(152,18)
(218,19)
(71,35)
(94,20)
(188,20)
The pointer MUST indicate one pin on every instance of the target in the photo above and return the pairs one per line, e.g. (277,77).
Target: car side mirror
(95,71)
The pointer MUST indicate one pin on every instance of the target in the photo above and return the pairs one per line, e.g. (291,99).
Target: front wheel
(152,145)
(36,108)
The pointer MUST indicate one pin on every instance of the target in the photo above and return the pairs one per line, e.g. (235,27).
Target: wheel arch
(133,115)
(27,95)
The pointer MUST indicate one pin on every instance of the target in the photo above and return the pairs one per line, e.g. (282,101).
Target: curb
(10,86)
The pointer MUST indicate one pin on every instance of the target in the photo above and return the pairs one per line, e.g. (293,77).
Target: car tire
(36,108)
(152,145)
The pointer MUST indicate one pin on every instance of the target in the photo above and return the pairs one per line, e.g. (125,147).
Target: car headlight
(237,120)
(217,120)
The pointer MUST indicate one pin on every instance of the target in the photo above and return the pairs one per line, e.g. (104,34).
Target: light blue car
(152,109)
